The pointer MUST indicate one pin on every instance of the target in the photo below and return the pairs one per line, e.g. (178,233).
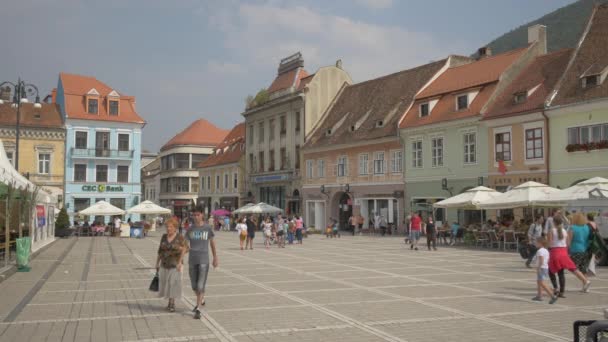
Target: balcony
(101,153)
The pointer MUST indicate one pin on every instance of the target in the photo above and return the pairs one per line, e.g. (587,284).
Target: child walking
(542,271)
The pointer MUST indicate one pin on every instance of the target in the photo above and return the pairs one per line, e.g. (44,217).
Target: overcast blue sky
(190,59)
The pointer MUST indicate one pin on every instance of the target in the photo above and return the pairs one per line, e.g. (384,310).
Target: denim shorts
(198,276)
(542,274)
(414,235)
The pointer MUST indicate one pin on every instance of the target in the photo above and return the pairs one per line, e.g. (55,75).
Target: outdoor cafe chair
(480,239)
(510,239)
(494,239)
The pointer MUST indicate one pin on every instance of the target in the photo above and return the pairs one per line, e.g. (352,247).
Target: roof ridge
(394,74)
(510,52)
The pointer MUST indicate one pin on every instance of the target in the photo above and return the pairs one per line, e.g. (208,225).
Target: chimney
(484,52)
(538,34)
(5,94)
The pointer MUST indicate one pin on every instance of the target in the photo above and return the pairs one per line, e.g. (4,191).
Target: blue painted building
(103,145)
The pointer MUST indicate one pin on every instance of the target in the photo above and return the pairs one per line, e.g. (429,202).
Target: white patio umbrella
(581,190)
(242,209)
(529,194)
(101,208)
(261,208)
(148,208)
(469,199)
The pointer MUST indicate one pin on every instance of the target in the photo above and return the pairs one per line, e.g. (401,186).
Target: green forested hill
(564,28)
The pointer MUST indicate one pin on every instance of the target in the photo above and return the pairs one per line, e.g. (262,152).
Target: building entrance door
(345,211)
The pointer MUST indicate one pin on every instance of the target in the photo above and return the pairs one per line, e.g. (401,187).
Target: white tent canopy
(529,194)
(148,208)
(581,190)
(101,208)
(469,199)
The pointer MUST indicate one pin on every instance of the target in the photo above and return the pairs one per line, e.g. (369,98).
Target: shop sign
(102,188)
(40,215)
(270,178)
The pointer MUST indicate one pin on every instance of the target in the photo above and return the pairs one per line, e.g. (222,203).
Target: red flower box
(600,145)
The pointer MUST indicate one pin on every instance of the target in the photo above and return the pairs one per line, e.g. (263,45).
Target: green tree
(63,220)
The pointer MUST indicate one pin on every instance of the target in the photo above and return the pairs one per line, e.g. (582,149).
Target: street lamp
(21,90)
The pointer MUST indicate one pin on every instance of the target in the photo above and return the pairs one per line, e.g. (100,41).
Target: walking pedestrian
(579,240)
(200,238)
(267,226)
(241,229)
(299,228)
(281,232)
(559,259)
(292,230)
(360,220)
(534,232)
(250,232)
(169,264)
(376,223)
(383,225)
(351,224)
(542,271)
(455,228)
(415,226)
(431,234)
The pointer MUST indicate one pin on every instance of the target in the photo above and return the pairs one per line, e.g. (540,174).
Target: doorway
(345,211)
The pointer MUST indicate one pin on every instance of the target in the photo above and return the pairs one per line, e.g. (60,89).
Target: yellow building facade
(41,143)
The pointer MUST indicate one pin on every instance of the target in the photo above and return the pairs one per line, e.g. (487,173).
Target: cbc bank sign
(102,188)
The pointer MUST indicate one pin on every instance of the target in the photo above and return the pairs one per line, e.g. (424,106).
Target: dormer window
(462,102)
(328,132)
(352,128)
(92,106)
(379,123)
(520,97)
(591,81)
(113,107)
(37,116)
(424,109)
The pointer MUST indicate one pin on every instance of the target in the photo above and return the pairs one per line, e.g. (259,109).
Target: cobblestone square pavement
(347,289)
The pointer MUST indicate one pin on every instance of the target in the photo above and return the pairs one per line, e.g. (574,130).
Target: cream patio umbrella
(529,194)
(243,209)
(581,190)
(148,208)
(468,200)
(260,208)
(101,208)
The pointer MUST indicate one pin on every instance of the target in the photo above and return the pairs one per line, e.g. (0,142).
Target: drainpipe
(548,149)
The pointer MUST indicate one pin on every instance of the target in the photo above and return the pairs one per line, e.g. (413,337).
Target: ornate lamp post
(21,91)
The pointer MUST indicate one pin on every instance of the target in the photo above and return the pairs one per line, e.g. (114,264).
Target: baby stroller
(591,331)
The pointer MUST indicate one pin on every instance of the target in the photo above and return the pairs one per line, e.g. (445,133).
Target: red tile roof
(542,74)
(200,133)
(445,109)
(287,79)
(304,81)
(384,98)
(231,148)
(48,116)
(75,88)
(482,76)
(470,75)
(590,53)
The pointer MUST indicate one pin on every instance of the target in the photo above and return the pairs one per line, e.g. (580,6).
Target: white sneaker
(586,286)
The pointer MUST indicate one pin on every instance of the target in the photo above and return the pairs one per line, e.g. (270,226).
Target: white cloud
(259,35)
(376,4)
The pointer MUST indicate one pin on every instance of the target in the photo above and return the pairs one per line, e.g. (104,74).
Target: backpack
(524,251)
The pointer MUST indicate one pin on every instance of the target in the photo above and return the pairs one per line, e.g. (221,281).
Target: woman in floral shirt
(169,263)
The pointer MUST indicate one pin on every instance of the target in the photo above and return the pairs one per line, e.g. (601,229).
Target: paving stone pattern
(347,289)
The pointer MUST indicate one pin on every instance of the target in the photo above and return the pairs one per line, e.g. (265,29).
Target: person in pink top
(299,228)
(415,227)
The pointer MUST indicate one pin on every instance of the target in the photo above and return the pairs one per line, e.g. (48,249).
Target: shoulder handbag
(154,283)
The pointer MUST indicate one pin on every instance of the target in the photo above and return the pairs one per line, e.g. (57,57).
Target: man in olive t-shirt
(200,237)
